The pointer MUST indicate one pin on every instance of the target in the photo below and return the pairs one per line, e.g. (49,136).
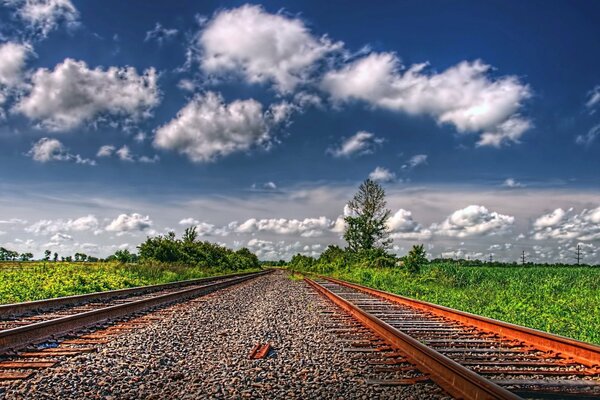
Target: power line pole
(523,258)
(578,254)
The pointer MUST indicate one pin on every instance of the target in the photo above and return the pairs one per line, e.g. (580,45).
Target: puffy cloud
(261,46)
(415,161)
(44,16)
(381,174)
(267,186)
(71,94)
(129,222)
(474,221)
(402,226)
(308,227)
(106,151)
(206,128)
(47,149)
(568,225)
(12,62)
(360,143)
(124,154)
(462,95)
(512,183)
(48,226)
(160,34)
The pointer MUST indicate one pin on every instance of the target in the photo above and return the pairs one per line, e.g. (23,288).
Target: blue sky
(257,121)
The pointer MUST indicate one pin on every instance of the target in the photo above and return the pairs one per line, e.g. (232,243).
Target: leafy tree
(366,226)
(55,258)
(190,235)
(415,259)
(26,256)
(47,254)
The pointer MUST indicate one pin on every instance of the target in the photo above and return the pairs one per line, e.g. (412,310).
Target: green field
(38,280)
(561,300)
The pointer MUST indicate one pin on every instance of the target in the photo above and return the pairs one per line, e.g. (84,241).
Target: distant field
(561,300)
(37,280)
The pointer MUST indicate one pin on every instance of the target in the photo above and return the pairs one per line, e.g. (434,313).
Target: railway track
(469,356)
(31,323)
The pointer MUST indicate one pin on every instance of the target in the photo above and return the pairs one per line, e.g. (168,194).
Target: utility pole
(578,254)
(523,258)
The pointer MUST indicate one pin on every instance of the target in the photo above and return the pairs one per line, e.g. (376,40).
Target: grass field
(561,300)
(38,280)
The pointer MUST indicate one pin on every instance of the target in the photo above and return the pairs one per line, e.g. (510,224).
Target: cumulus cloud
(381,174)
(160,35)
(49,226)
(47,149)
(415,161)
(568,225)
(512,183)
(474,220)
(207,128)
(12,62)
(71,94)
(267,186)
(124,154)
(129,223)
(260,46)
(401,225)
(43,16)
(463,95)
(361,143)
(308,227)
(106,151)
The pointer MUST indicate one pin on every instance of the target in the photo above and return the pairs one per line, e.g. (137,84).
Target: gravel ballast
(200,350)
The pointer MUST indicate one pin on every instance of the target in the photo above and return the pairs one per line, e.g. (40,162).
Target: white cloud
(568,225)
(206,128)
(402,226)
(381,174)
(593,98)
(47,149)
(512,183)
(106,151)
(267,186)
(44,16)
(160,34)
(463,95)
(48,226)
(124,154)
(129,223)
(361,143)
(12,62)
(189,221)
(261,46)
(589,137)
(13,221)
(71,94)
(308,227)
(474,220)
(415,161)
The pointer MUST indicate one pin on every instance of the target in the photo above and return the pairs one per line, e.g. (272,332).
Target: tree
(47,254)
(26,256)
(55,258)
(366,227)
(415,259)
(190,235)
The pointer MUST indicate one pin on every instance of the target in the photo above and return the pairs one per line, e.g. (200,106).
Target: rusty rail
(585,353)
(29,306)
(17,338)
(457,380)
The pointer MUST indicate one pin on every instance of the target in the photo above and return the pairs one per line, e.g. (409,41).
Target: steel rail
(457,380)
(17,338)
(585,353)
(7,310)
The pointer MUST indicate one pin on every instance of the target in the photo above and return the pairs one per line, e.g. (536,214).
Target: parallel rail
(8,310)
(457,380)
(585,353)
(17,338)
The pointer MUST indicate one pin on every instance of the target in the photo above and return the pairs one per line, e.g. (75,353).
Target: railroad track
(31,323)
(469,356)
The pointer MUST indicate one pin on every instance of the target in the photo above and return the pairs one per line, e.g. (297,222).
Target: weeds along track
(25,324)
(469,356)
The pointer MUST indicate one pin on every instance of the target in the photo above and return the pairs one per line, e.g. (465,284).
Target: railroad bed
(470,356)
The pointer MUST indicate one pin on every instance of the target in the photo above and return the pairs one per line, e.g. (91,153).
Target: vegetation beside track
(563,300)
(43,280)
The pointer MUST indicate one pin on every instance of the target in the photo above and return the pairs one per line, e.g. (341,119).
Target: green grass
(560,300)
(37,280)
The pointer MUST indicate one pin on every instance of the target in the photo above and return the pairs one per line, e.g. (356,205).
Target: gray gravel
(200,350)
